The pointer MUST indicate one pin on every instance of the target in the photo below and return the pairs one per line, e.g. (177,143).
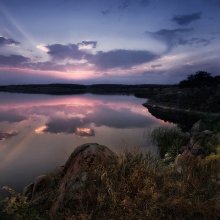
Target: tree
(199,79)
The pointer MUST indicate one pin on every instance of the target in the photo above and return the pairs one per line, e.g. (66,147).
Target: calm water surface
(39,132)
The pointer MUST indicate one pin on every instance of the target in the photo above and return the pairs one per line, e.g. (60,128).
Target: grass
(169,140)
(138,187)
(16,207)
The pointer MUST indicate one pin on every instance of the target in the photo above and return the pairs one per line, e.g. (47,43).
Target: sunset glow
(106,42)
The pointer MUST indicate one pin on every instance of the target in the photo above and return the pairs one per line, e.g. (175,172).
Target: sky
(107,41)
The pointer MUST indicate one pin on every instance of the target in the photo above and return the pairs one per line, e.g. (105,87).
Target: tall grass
(137,187)
(169,140)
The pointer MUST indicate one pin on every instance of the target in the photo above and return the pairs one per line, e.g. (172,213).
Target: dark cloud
(7,135)
(100,116)
(64,125)
(11,116)
(156,65)
(124,4)
(13,60)
(196,40)
(171,37)
(186,19)
(121,58)
(46,66)
(60,51)
(7,41)
(92,44)
(102,60)
(106,11)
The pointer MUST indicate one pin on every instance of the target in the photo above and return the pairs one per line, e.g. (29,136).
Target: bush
(169,140)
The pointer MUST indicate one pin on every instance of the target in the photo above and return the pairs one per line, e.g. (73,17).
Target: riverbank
(71,89)
(185,118)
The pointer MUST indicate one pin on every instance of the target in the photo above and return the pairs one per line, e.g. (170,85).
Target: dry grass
(169,140)
(137,187)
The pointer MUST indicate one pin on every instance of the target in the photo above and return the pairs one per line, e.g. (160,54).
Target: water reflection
(38,132)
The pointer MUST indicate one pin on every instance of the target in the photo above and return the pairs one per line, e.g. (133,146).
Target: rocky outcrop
(201,144)
(57,192)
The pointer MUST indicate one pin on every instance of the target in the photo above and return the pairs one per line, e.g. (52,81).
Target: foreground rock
(57,191)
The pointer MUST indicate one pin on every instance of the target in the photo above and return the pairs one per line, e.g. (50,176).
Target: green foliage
(169,140)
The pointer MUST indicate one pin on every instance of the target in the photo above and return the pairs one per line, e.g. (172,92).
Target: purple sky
(103,41)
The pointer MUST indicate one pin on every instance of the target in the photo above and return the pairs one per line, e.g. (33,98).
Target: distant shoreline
(65,89)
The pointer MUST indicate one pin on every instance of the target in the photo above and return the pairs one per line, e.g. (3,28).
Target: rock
(62,196)
(57,192)
(76,170)
(198,127)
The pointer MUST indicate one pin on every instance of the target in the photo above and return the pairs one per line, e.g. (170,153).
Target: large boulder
(76,171)
(58,192)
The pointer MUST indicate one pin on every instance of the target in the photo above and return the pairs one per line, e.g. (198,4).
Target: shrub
(169,140)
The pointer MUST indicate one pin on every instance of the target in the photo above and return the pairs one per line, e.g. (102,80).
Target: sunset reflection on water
(39,132)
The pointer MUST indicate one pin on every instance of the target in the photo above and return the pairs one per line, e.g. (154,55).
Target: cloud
(7,41)
(46,66)
(99,116)
(85,132)
(64,125)
(106,11)
(156,65)
(121,58)
(102,60)
(196,40)
(118,118)
(7,135)
(13,60)
(11,116)
(60,51)
(42,48)
(124,4)
(171,37)
(87,45)
(186,19)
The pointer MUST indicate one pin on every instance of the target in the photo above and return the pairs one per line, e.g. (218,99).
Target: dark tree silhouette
(199,79)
